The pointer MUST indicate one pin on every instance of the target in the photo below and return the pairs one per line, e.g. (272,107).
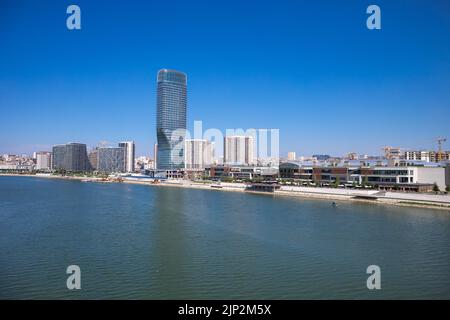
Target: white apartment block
(238,150)
(129,148)
(43,160)
(198,153)
(427,156)
(291,156)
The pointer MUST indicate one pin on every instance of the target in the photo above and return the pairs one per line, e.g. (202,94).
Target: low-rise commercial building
(241,172)
(403,175)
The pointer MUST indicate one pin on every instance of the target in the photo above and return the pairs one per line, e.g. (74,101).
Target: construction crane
(440,140)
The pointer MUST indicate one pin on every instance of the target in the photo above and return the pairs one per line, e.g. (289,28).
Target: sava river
(154,242)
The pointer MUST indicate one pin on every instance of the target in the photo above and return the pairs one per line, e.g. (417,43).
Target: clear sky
(310,68)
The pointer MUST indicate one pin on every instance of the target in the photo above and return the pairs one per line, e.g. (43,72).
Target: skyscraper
(129,155)
(171,118)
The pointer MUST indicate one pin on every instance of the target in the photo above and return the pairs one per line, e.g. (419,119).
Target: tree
(365,181)
(227,179)
(435,187)
(447,188)
(337,182)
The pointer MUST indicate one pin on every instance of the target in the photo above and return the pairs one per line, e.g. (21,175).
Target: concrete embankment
(368,196)
(375,196)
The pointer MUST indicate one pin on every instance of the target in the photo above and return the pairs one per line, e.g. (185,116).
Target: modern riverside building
(70,157)
(198,153)
(111,159)
(402,175)
(171,119)
(129,155)
(241,172)
(238,150)
(43,160)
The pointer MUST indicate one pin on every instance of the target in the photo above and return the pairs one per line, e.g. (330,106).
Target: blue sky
(310,68)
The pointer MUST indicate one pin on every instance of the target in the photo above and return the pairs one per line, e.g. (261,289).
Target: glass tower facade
(171,119)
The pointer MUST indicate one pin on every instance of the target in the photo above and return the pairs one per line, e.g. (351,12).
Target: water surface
(150,242)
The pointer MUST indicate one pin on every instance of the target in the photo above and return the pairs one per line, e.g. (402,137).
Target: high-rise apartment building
(70,157)
(128,147)
(198,153)
(238,150)
(171,118)
(292,156)
(111,159)
(43,160)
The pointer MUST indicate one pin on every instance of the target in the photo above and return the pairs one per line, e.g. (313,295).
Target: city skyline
(312,70)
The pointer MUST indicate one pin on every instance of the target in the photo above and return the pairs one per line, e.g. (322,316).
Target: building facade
(171,108)
(427,156)
(392,152)
(111,159)
(155,155)
(241,172)
(198,153)
(129,148)
(70,157)
(93,159)
(43,160)
(238,150)
(291,156)
(402,176)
